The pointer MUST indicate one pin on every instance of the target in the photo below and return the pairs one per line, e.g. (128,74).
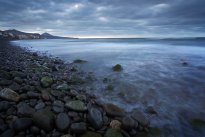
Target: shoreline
(43,96)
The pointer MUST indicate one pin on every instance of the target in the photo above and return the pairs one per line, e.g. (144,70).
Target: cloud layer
(143,18)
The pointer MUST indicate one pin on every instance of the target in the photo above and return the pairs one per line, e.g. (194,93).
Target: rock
(4,105)
(44,119)
(8,133)
(45,95)
(78,128)
(114,110)
(76,105)
(34,130)
(117,67)
(18,74)
(63,86)
(62,122)
(3,125)
(81,97)
(40,105)
(5,82)
(32,94)
(128,123)
(79,61)
(14,86)
(115,124)
(9,94)
(24,109)
(18,80)
(140,117)
(58,106)
(22,124)
(95,117)
(46,81)
(91,134)
(113,133)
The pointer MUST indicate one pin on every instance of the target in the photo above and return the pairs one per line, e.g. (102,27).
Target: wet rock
(150,110)
(115,124)
(63,86)
(91,134)
(95,117)
(22,124)
(62,122)
(24,109)
(46,81)
(14,86)
(113,133)
(140,117)
(40,105)
(8,133)
(128,123)
(67,135)
(3,125)
(76,105)
(45,95)
(32,94)
(9,94)
(78,128)
(5,82)
(79,61)
(81,97)
(44,119)
(27,88)
(114,110)
(117,67)
(58,106)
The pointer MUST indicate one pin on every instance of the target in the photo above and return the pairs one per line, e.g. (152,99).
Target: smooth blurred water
(153,75)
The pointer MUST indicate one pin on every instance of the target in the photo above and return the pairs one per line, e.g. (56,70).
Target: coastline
(50,100)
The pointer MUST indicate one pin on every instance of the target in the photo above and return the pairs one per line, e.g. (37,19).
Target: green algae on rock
(76,105)
(46,81)
(111,132)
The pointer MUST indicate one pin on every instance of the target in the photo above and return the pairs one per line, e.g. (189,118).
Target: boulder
(9,94)
(76,105)
(44,119)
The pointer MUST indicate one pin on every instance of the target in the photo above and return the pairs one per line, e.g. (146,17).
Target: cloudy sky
(105,18)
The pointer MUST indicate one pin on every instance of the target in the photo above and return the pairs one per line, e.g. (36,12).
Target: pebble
(24,109)
(9,94)
(58,106)
(95,117)
(62,122)
(78,128)
(22,124)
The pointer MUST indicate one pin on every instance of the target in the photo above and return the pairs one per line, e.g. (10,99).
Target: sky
(105,18)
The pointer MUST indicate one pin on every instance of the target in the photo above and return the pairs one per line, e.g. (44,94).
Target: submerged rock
(79,61)
(76,105)
(113,133)
(46,81)
(44,119)
(140,117)
(9,94)
(117,67)
(114,110)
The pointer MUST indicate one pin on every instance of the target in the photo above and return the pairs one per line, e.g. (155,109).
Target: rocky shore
(42,96)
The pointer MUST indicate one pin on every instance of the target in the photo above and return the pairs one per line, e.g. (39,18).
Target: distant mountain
(49,36)
(17,35)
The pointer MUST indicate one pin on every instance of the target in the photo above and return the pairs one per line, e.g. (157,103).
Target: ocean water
(153,76)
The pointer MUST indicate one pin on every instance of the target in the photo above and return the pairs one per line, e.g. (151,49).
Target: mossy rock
(46,81)
(198,123)
(76,105)
(111,132)
(154,131)
(91,134)
(117,67)
(79,61)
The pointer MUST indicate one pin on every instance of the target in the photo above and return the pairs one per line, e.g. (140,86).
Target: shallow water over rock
(167,76)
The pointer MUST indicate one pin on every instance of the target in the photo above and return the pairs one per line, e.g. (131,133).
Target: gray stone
(5,82)
(76,105)
(18,80)
(58,106)
(128,123)
(62,122)
(18,74)
(24,109)
(35,130)
(22,124)
(9,94)
(32,94)
(63,86)
(40,105)
(44,119)
(4,105)
(95,117)
(78,128)
(114,110)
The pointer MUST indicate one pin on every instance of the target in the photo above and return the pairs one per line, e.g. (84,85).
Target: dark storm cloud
(105,17)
